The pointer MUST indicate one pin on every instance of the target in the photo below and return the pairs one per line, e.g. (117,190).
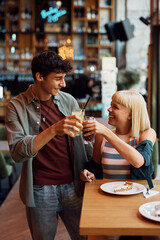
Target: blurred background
(112,45)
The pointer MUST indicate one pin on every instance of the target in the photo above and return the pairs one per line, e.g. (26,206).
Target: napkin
(150,193)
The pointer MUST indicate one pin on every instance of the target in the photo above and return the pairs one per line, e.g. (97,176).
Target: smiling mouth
(111,117)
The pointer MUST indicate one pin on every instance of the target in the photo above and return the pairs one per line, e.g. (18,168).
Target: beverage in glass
(90,138)
(80,113)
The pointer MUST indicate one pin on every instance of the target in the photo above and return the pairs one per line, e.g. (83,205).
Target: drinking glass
(90,138)
(80,113)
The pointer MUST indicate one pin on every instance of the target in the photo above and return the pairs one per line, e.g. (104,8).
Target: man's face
(53,83)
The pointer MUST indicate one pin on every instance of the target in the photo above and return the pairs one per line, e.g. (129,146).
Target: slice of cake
(124,187)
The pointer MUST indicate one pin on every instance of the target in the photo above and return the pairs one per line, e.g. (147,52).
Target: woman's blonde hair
(137,105)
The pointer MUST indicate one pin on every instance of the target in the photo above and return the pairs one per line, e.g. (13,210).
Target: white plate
(109,188)
(147,210)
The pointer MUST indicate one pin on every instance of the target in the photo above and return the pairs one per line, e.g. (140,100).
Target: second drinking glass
(90,138)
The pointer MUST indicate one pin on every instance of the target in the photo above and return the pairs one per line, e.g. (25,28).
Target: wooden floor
(13,223)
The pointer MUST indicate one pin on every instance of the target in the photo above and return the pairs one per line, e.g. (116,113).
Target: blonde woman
(124,152)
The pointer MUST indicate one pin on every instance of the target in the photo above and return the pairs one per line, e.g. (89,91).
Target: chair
(3,135)
(6,170)
(7,155)
(155,159)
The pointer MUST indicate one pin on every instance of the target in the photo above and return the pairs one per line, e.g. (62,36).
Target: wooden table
(109,214)
(4,146)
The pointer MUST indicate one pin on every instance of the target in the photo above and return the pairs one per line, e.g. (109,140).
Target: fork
(147,191)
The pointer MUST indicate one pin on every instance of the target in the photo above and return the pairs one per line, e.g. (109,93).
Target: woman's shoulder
(148,134)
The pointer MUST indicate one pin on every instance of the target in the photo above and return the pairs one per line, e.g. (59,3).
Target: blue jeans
(51,201)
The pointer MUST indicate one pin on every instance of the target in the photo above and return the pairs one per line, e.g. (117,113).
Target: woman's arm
(97,156)
(127,151)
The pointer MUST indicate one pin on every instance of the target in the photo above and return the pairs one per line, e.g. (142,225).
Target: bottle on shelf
(93,12)
(89,14)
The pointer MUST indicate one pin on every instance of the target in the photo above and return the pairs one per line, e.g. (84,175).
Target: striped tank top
(113,164)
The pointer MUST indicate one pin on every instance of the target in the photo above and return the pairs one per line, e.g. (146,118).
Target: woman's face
(119,115)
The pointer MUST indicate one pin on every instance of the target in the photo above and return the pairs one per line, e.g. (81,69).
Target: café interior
(112,45)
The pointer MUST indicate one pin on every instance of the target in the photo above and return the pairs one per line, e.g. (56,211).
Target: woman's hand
(87,176)
(93,127)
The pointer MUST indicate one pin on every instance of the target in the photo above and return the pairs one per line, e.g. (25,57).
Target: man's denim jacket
(23,118)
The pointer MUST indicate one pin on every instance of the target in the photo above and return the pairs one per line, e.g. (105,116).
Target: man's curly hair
(47,62)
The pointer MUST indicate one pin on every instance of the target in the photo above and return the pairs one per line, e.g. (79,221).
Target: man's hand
(87,176)
(68,125)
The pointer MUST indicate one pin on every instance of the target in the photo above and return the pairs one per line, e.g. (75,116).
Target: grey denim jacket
(23,116)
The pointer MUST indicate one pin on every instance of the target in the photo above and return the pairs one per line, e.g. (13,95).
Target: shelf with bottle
(79,12)
(50,40)
(95,41)
(105,3)
(104,52)
(78,67)
(26,45)
(25,66)
(25,25)
(13,26)
(2,12)
(12,66)
(104,41)
(92,40)
(92,27)
(13,54)
(79,2)
(105,17)
(91,66)
(26,14)
(12,39)
(26,54)
(79,26)
(12,16)
(92,13)
(12,46)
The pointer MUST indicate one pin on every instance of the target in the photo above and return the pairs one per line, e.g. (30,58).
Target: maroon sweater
(52,165)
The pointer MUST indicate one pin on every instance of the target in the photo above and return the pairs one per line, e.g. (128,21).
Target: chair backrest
(3,134)
(155,159)
(5,169)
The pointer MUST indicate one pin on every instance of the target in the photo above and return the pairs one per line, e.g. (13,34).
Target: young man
(39,125)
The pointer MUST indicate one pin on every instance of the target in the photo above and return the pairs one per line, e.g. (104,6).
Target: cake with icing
(124,187)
